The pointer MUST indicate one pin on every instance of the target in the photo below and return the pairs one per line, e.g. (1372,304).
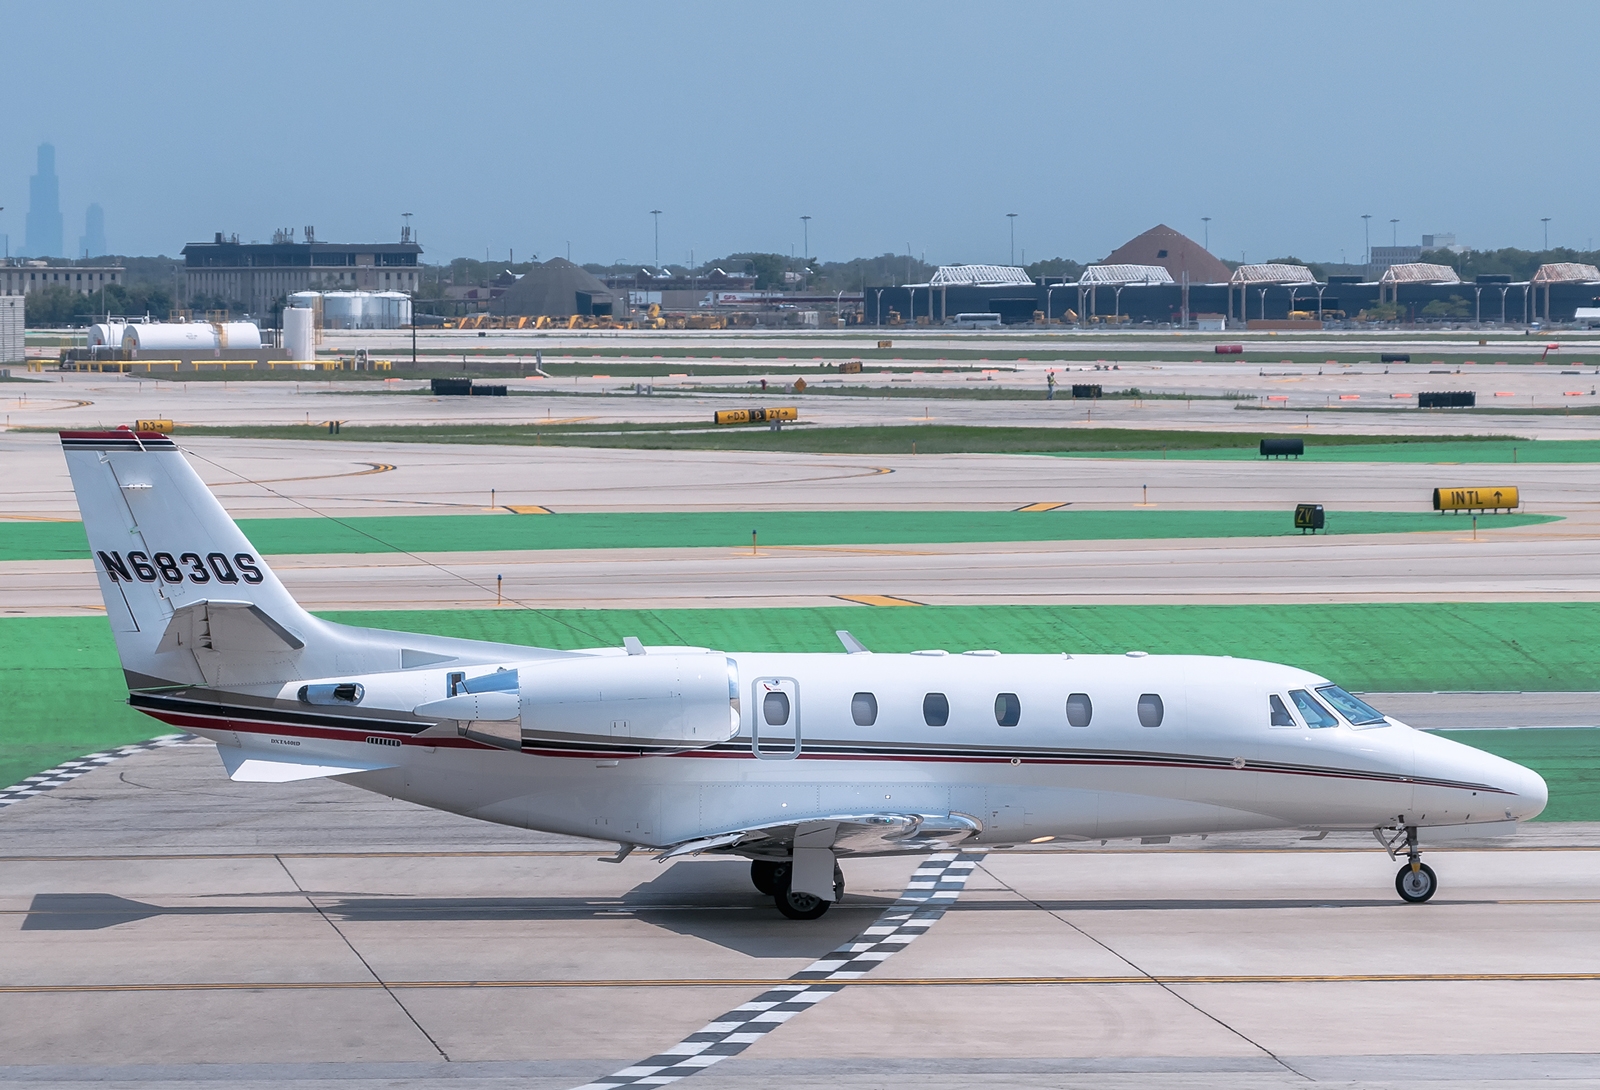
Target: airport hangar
(1162,276)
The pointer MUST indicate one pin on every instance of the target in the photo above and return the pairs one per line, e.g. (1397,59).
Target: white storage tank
(239,336)
(365,309)
(300,333)
(106,334)
(147,337)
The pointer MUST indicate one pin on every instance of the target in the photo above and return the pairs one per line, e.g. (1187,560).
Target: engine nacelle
(660,702)
(657,702)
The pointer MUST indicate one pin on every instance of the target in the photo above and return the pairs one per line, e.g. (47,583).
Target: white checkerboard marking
(67,771)
(731,1033)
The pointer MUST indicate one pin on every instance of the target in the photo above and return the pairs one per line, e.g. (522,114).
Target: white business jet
(789,760)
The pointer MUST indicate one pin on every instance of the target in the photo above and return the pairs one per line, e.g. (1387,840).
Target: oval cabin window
(935,710)
(1080,709)
(1150,710)
(1007,709)
(775,709)
(864,709)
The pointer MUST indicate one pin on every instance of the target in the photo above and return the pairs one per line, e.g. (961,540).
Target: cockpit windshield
(1315,714)
(1359,712)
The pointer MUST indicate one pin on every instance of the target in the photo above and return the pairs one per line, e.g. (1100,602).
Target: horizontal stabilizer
(246,766)
(226,626)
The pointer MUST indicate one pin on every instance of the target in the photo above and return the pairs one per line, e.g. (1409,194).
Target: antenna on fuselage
(851,644)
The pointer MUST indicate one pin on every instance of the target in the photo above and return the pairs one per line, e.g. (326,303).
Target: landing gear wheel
(800,906)
(768,876)
(1416,886)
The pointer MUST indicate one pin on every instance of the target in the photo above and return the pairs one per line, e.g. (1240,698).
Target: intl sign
(1503,498)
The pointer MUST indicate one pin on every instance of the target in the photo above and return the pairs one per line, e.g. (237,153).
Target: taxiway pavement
(169,928)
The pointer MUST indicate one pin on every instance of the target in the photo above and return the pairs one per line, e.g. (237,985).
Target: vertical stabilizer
(188,597)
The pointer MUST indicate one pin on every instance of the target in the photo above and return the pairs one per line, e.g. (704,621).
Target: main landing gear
(772,878)
(1416,881)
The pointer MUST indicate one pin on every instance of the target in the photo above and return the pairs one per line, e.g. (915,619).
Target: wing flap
(250,766)
(840,834)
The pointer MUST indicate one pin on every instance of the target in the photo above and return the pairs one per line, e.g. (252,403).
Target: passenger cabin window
(935,710)
(1007,709)
(1315,714)
(1080,709)
(1280,714)
(775,709)
(864,709)
(1150,710)
(1353,708)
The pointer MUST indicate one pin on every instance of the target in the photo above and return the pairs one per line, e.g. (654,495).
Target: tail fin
(189,599)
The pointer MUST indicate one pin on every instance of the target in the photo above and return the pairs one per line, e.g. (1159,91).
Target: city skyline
(921,129)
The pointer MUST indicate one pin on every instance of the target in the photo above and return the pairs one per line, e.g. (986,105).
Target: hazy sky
(531,126)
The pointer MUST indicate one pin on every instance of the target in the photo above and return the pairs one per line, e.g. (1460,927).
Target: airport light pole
(656,212)
(805,228)
(1546,221)
(1012,217)
(1366,234)
(1207,221)
(1394,233)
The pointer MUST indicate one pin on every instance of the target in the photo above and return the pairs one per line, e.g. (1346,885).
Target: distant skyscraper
(44,225)
(93,241)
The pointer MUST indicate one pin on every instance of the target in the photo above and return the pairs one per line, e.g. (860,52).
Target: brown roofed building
(1176,253)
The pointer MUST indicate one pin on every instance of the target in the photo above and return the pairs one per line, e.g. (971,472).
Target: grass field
(1491,451)
(824,354)
(725,529)
(66,692)
(807,439)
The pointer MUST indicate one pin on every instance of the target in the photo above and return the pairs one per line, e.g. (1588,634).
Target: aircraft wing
(252,766)
(842,834)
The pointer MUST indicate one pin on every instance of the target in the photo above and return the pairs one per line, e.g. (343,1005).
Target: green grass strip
(807,439)
(1496,451)
(66,693)
(731,529)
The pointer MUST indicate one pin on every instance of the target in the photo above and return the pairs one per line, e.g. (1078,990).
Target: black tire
(800,906)
(768,876)
(1416,886)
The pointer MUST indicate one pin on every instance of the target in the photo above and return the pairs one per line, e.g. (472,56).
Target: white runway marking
(67,771)
(933,888)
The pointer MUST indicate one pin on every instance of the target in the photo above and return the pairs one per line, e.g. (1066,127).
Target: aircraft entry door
(775,723)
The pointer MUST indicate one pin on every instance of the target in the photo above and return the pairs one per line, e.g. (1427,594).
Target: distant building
(21,279)
(1439,242)
(12,345)
(92,243)
(255,275)
(1173,251)
(559,289)
(44,224)
(1384,256)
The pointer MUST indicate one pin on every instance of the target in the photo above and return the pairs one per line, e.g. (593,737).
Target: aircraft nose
(1530,793)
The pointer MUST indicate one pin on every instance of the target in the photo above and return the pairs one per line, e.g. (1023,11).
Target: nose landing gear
(1416,881)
